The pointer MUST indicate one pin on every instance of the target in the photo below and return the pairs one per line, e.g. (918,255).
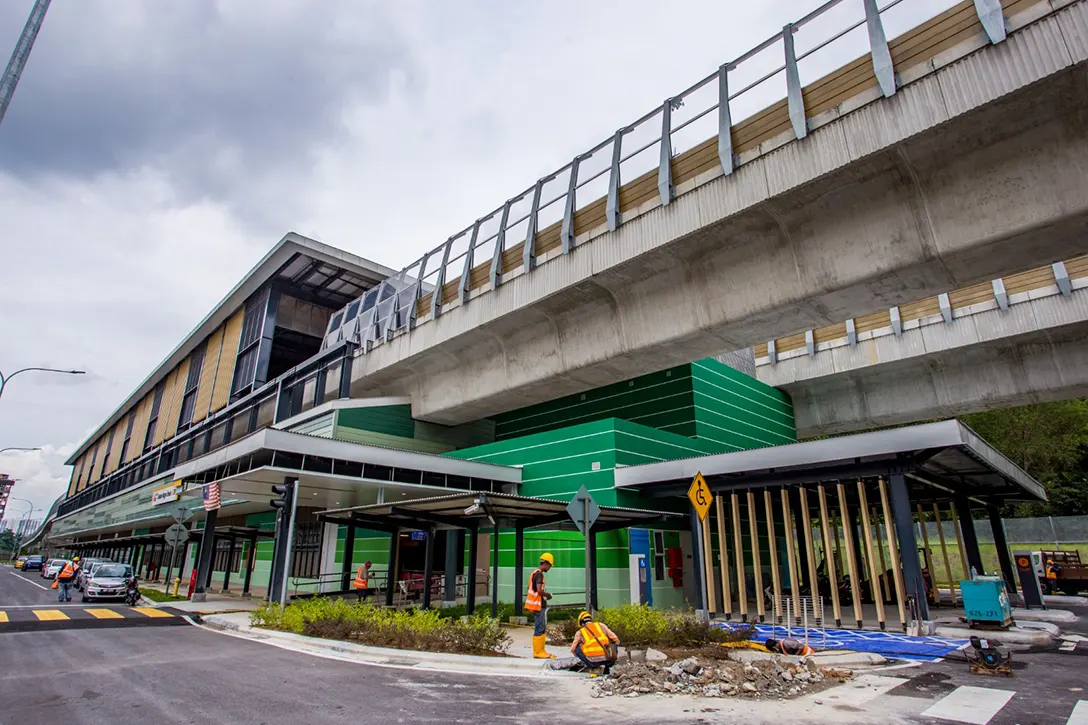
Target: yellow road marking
(3,616)
(104,613)
(49,615)
(151,612)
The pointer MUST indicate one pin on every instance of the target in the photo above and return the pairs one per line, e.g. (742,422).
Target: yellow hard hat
(548,558)
(583,616)
(75,559)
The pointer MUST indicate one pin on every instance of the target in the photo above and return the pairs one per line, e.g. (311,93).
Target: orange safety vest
(805,649)
(67,573)
(594,640)
(1051,571)
(533,601)
(361,581)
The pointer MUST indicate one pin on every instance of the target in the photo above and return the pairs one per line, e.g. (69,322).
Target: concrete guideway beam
(967,174)
(1038,367)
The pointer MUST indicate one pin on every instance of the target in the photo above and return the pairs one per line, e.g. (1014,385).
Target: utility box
(986,602)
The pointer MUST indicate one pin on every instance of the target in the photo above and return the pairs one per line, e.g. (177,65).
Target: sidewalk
(237,624)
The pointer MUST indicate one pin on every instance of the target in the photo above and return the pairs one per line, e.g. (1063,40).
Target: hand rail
(460,248)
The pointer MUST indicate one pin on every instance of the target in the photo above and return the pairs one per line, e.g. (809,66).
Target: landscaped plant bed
(409,629)
(713,677)
(641,628)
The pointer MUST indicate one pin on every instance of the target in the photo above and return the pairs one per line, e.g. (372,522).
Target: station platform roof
(471,510)
(943,456)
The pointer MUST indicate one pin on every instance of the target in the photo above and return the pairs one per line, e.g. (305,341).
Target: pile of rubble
(716,678)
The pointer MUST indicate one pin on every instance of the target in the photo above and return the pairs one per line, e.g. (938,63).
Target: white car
(52,568)
(108,581)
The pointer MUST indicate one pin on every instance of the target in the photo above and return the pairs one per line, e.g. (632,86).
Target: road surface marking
(104,613)
(151,612)
(976,705)
(1080,714)
(861,690)
(3,617)
(49,615)
(24,579)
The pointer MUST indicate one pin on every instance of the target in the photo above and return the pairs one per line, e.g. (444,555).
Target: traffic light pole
(285,534)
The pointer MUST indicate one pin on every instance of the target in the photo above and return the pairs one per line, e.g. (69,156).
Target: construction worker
(789,646)
(362,581)
(595,644)
(65,578)
(536,601)
(1052,571)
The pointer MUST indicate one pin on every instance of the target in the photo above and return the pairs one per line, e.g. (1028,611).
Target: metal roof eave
(307,445)
(263,271)
(947,434)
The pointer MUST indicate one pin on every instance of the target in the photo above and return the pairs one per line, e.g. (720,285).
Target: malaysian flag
(211,496)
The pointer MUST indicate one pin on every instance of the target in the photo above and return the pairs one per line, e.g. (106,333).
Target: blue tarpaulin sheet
(888,644)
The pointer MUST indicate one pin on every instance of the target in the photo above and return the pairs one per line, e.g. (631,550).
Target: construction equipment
(985,602)
(1072,574)
(14,71)
(988,658)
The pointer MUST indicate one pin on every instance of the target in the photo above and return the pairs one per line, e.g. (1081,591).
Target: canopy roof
(471,510)
(946,455)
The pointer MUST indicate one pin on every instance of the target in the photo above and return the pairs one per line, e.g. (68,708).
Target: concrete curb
(384,657)
(823,658)
(1044,615)
(1040,634)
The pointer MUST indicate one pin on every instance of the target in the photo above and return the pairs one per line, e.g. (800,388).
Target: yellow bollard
(177,583)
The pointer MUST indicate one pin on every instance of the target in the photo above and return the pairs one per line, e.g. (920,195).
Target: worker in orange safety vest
(595,644)
(362,581)
(64,579)
(536,601)
(789,646)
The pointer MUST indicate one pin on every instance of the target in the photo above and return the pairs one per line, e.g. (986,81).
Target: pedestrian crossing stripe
(49,615)
(104,613)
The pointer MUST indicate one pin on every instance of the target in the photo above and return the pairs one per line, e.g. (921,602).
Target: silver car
(107,580)
(86,568)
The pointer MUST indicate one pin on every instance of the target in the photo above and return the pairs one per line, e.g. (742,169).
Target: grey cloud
(227,101)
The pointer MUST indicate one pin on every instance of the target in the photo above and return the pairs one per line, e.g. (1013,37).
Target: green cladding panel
(737,411)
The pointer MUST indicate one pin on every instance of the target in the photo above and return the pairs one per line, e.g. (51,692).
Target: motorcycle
(132,593)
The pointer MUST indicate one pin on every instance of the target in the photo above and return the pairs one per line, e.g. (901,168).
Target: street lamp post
(22,525)
(5,378)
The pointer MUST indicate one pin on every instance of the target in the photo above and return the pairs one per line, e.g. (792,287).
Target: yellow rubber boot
(538,648)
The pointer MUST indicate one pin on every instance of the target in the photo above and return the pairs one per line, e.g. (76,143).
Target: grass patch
(412,629)
(156,596)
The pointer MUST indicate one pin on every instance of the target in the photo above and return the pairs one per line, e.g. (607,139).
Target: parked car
(35,562)
(86,568)
(108,581)
(52,568)
(19,562)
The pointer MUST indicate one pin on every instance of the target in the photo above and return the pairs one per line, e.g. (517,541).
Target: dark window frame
(192,387)
(153,419)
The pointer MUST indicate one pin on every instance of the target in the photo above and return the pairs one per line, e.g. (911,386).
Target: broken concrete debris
(710,677)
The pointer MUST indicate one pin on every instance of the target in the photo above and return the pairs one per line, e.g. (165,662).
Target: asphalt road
(18,589)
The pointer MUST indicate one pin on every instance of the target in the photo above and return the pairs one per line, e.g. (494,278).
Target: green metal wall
(737,411)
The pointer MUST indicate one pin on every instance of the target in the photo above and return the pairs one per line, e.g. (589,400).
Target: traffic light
(286,492)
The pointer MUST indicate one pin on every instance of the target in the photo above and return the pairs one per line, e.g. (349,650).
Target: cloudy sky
(155,149)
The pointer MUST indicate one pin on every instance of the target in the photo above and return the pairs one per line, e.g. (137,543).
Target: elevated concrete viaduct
(976,167)
(962,352)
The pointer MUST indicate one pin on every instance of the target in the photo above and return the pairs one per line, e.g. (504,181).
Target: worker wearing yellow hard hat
(595,644)
(536,601)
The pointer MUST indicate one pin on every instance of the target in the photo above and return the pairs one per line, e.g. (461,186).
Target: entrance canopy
(332,472)
(483,510)
(938,459)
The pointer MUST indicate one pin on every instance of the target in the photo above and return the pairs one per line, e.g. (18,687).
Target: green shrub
(640,626)
(380,627)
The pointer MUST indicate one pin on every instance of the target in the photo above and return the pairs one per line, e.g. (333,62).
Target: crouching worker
(594,644)
(789,646)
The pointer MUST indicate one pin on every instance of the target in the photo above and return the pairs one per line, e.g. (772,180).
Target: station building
(261,392)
